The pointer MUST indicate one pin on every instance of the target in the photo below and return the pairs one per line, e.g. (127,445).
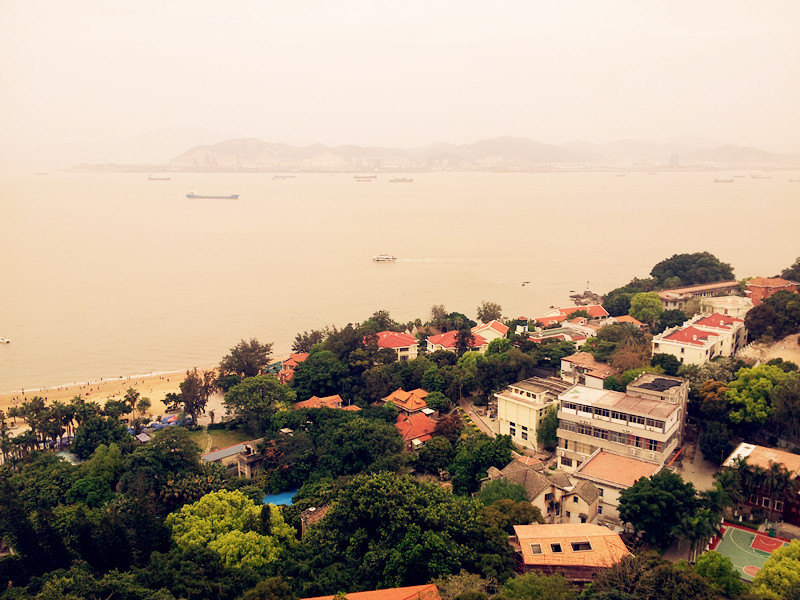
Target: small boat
(718,180)
(4,340)
(195,196)
(384,258)
(761,176)
(152,178)
(401,180)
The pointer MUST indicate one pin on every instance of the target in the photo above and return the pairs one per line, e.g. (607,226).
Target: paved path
(476,418)
(208,439)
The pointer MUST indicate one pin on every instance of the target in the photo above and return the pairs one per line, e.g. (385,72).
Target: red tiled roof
(416,592)
(628,319)
(395,339)
(414,426)
(408,401)
(691,335)
(547,321)
(326,402)
(718,320)
(448,339)
(493,325)
(770,282)
(352,408)
(295,359)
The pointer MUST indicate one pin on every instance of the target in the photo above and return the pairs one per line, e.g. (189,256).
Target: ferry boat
(384,258)
(401,180)
(151,178)
(195,196)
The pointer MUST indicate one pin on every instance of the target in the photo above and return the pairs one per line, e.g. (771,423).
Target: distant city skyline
(402,75)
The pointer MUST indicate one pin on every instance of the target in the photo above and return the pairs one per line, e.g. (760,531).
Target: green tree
(246,359)
(750,393)
(792,273)
(785,398)
(670,318)
(498,346)
(321,374)
(256,399)
(776,317)
(228,523)
(668,362)
(97,431)
(693,269)
(537,586)
(195,392)
(474,456)
(720,572)
(455,586)
(356,445)
(272,588)
(716,442)
(546,433)
(504,514)
(489,311)
(779,578)
(438,401)
(656,506)
(646,307)
(502,489)
(435,455)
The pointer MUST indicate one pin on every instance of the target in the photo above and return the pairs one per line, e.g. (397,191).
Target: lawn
(220,438)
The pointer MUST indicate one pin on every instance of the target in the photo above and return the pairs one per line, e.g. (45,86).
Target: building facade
(621,423)
(702,338)
(582,368)
(522,406)
(678,297)
(730,306)
(761,288)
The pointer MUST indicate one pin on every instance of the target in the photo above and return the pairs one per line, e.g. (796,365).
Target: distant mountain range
(501,153)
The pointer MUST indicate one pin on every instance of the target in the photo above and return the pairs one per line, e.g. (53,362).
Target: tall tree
(489,311)
(196,390)
(546,433)
(692,269)
(779,578)
(256,399)
(246,359)
(646,307)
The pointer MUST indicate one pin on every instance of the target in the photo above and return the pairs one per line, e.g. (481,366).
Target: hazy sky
(402,73)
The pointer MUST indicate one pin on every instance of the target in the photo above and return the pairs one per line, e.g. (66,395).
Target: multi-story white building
(678,297)
(649,427)
(730,306)
(702,338)
(522,406)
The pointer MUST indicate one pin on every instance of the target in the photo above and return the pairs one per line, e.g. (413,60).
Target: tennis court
(748,549)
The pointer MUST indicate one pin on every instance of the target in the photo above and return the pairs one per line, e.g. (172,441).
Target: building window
(600,509)
(765,502)
(524,434)
(536,549)
(556,548)
(575,499)
(652,445)
(778,505)
(580,546)
(548,497)
(567,462)
(601,491)
(568,516)
(512,429)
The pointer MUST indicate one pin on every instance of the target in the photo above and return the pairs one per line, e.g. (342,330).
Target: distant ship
(384,258)
(365,176)
(401,180)
(194,195)
(283,176)
(718,180)
(151,178)
(761,176)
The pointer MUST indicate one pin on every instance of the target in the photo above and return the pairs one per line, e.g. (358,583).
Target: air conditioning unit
(633,450)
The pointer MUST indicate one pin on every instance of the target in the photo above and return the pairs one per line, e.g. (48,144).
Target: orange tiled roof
(718,320)
(628,319)
(622,470)
(547,321)
(770,282)
(416,592)
(607,547)
(691,335)
(762,456)
(595,310)
(326,402)
(408,401)
(494,325)
(415,425)
(448,339)
(394,339)
(586,360)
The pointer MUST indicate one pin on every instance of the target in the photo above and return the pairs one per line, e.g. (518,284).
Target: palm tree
(776,481)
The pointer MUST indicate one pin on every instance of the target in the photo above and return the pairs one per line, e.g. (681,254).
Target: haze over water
(111,274)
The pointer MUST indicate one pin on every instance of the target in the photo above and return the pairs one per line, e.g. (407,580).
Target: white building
(405,345)
(582,368)
(702,338)
(730,306)
(522,406)
(492,330)
(622,423)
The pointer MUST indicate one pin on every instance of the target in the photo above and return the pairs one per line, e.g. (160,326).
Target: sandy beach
(153,386)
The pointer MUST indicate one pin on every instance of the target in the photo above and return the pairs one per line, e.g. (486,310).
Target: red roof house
(415,429)
(761,288)
(447,341)
(416,592)
(491,331)
(403,344)
(326,402)
(408,402)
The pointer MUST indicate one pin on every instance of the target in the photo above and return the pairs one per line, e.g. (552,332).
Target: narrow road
(476,418)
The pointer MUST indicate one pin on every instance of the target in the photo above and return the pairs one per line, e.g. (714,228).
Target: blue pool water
(284,498)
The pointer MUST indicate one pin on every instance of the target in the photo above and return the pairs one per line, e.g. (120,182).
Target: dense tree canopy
(692,269)
(489,311)
(246,359)
(776,317)
(779,578)
(792,273)
(255,399)
(646,307)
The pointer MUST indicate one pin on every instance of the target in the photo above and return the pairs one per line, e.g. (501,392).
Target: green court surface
(747,549)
